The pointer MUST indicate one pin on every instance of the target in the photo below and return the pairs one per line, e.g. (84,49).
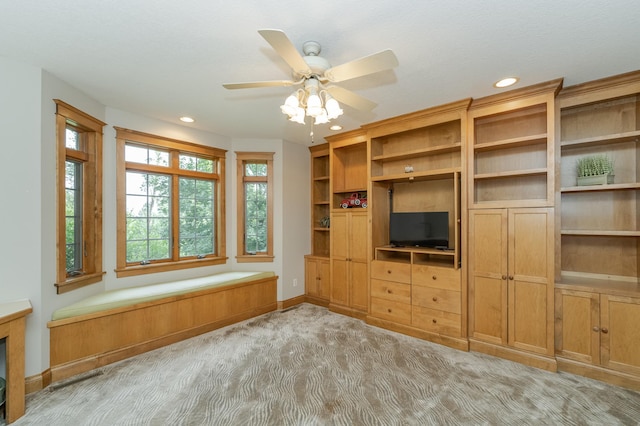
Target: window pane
(192,162)
(256,217)
(144,155)
(255,169)
(148,202)
(72,139)
(73,216)
(196,217)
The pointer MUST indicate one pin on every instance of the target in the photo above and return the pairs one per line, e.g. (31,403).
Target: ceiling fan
(314,74)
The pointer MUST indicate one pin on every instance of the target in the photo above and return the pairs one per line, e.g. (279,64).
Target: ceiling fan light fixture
(291,105)
(322,118)
(298,116)
(333,108)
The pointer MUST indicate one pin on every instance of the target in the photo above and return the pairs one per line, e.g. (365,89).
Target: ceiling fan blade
(283,46)
(252,84)
(350,98)
(380,61)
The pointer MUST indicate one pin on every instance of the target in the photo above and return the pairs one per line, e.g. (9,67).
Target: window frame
(90,156)
(175,148)
(243,158)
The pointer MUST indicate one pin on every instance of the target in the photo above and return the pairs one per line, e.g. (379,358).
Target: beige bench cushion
(133,295)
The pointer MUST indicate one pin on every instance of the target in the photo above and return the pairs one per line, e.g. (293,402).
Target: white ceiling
(168,58)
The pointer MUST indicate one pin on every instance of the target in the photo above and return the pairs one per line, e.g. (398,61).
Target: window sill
(78,282)
(130,271)
(254,258)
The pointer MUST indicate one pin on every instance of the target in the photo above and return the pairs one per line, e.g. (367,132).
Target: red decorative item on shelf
(355,200)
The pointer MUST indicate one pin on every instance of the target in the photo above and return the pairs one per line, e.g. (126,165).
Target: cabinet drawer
(436,321)
(391,310)
(391,271)
(436,277)
(391,291)
(435,298)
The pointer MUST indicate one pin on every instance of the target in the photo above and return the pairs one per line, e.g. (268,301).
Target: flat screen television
(419,229)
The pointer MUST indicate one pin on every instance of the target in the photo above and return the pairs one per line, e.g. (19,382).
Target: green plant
(595,165)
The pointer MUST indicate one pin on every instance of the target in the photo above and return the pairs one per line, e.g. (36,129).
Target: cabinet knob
(389,310)
(435,299)
(435,321)
(389,291)
(605,330)
(504,277)
(511,277)
(388,271)
(596,329)
(434,277)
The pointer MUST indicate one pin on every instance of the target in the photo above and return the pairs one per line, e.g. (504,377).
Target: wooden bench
(118,324)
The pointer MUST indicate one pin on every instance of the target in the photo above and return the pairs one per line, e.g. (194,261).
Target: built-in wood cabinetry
(539,269)
(417,166)
(511,224)
(317,280)
(598,263)
(349,255)
(510,279)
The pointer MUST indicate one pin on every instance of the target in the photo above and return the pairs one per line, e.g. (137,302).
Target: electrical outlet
(295,282)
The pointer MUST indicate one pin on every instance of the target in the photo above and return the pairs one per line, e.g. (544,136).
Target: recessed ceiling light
(506,82)
(336,127)
(186,119)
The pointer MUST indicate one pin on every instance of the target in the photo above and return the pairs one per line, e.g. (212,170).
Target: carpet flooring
(308,366)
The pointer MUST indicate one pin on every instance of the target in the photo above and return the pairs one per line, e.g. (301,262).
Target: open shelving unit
(600,225)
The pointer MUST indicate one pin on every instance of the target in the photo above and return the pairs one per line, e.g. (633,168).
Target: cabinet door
(311,277)
(578,331)
(324,283)
(530,278)
(488,275)
(339,259)
(359,291)
(357,234)
(620,333)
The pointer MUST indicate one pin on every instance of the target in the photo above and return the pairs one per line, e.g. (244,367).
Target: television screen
(419,229)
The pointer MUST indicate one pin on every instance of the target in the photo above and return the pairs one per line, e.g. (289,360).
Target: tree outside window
(79,198)
(255,199)
(172,205)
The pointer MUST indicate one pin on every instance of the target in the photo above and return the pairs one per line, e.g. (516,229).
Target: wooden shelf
(348,190)
(418,176)
(599,140)
(609,187)
(320,178)
(440,149)
(600,233)
(512,143)
(599,285)
(509,174)
(321,203)
(318,228)
(420,250)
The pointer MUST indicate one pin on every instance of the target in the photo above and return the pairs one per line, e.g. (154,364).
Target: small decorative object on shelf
(325,221)
(355,200)
(595,170)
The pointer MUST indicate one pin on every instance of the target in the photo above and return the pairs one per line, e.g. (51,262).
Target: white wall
(27,221)
(296,235)
(20,215)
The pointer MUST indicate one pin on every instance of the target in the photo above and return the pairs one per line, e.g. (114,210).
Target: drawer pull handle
(435,299)
(389,291)
(434,277)
(435,321)
(389,310)
(388,271)
(596,329)
(605,330)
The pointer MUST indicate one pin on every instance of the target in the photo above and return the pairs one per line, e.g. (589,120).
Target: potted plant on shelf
(595,170)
